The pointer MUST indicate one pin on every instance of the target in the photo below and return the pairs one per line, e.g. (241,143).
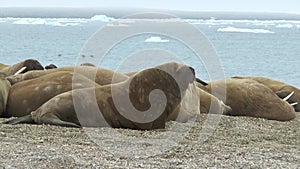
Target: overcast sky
(287,6)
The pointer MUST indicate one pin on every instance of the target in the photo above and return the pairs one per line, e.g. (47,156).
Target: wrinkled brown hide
(99,75)
(111,101)
(30,65)
(280,88)
(29,95)
(249,98)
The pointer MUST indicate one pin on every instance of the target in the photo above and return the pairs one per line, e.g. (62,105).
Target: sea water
(245,47)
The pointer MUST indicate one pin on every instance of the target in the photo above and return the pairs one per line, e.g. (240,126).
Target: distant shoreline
(22,12)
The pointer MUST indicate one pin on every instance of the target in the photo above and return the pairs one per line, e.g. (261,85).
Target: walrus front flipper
(25,119)
(56,121)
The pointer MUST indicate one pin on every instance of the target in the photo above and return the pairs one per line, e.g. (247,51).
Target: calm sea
(245,47)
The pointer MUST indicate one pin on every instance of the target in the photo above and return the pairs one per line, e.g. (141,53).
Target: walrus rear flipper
(56,121)
(25,119)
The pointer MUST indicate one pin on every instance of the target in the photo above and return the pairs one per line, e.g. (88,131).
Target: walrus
(29,65)
(99,75)
(247,97)
(28,95)
(112,101)
(51,66)
(198,101)
(281,89)
(4,91)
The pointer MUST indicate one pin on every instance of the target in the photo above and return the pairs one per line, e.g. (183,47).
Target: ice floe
(102,18)
(243,30)
(57,21)
(156,39)
(287,25)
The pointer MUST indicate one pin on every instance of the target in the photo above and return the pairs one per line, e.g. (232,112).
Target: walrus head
(32,64)
(154,93)
(51,66)
(29,64)
(183,74)
(171,78)
(292,98)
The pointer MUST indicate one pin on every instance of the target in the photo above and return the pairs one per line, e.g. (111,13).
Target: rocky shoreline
(237,142)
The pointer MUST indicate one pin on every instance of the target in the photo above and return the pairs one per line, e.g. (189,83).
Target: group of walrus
(88,96)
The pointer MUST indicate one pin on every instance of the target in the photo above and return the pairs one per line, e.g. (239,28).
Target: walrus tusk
(289,96)
(19,71)
(294,104)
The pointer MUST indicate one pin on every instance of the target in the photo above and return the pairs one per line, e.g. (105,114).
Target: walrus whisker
(294,104)
(21,70)
(289,96)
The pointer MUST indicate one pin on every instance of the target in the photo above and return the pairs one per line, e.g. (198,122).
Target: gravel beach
(207,142)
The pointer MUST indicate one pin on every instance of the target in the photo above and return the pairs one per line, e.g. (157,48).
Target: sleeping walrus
(99,75)
(28,65)
(282,90)
(247,97)
(135,103)
(28,95)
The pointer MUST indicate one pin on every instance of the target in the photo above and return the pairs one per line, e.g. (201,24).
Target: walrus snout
(185,75)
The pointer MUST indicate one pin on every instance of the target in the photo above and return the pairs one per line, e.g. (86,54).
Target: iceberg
(243,30)
(102,18)
(156,39)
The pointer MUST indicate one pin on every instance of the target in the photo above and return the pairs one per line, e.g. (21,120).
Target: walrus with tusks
(248,97)
(140,90)
(282,90)
(28,65)
(99,75)
(28,95)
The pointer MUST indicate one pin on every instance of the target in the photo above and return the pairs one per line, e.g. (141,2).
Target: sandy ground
(234,142)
